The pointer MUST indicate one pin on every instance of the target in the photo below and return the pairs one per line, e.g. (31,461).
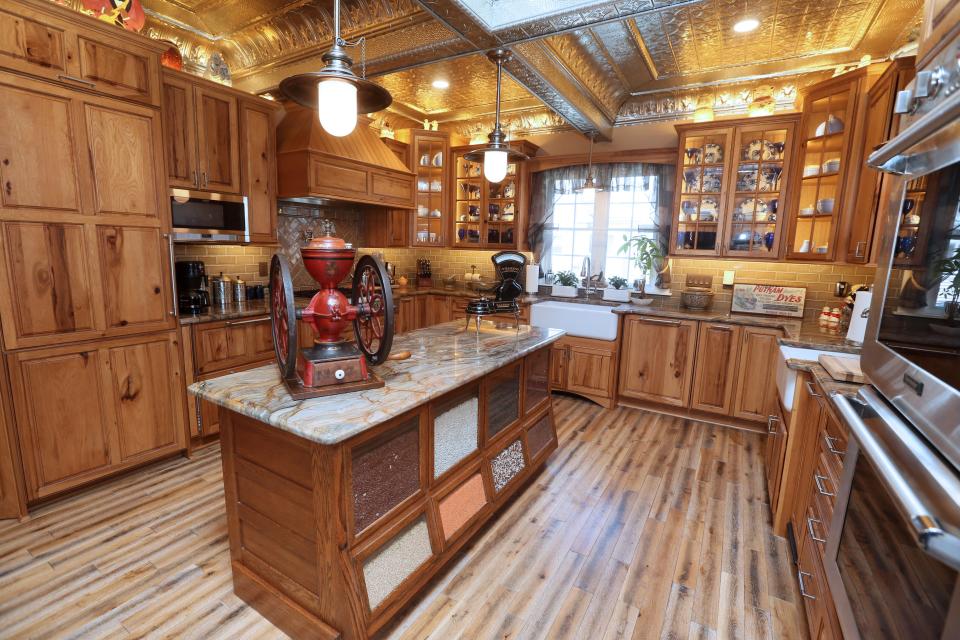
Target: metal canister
(239,290)
(221,290)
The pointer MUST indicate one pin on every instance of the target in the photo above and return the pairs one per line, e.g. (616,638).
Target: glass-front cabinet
(430,152)
(731,183)
(823,160)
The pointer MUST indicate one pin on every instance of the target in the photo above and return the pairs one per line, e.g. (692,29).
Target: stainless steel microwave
(199,216)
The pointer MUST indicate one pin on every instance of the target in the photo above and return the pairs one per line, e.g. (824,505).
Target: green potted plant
(616,290)
(647,254)
(565,284)
(948,270)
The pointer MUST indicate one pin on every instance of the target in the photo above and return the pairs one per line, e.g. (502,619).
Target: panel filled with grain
(461,504)
(396,561)
(385,473)
(455,432)
(506,465)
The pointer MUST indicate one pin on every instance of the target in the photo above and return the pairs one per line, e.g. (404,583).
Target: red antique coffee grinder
(333,364)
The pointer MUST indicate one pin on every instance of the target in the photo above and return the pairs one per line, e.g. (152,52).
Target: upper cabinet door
(218,141)
(180,133)
(136,287)
(703,179)
(38,163)
(114,67)
(32,46)
(260,172)
(123,149)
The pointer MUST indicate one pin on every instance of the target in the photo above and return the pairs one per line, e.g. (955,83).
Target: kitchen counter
(244,310)
(444,357)
(824,379)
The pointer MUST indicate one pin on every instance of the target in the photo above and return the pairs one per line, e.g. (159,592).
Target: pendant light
(336,92)
(589,186)
(497,154)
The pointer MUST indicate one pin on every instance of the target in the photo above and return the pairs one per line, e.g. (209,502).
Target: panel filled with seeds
(396,561)
(455,432)
(461,504)
(385,473)
(506,465)
(540,435)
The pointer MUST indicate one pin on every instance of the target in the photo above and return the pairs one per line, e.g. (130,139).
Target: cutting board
(843,368)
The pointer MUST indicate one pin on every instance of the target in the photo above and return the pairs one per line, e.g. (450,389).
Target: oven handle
(941,544)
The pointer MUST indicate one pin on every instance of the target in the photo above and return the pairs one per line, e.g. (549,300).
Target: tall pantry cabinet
(92,366)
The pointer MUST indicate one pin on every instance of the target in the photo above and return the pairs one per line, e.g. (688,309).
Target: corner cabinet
(490,215)
(731,186)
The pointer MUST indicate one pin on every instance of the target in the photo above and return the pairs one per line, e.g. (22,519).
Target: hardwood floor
(641,526)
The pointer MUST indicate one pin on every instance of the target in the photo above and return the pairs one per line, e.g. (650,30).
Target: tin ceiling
(581,63)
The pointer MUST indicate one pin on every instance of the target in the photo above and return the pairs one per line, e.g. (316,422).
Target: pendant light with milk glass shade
(589,185)
(336,92)
(497,154)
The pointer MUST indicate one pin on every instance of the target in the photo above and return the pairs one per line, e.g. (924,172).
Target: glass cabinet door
(430,158)
(701,187)
(755,211)
(467,202)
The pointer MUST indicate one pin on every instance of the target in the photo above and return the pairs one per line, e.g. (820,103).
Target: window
(586,224)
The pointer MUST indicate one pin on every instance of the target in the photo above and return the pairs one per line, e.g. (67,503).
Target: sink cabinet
(658,359)
(586,367)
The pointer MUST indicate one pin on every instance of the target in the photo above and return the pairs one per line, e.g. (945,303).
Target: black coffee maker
(193,296)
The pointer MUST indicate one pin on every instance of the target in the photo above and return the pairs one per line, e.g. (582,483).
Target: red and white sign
(769,299)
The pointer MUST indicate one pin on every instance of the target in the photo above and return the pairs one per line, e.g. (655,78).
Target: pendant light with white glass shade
(589,185)
(336,92)
(497,154)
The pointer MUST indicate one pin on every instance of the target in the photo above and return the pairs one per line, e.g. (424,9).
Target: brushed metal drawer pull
(832,449)
(813,536)
(857,250)
(772,420)
(803,587)
(86,83)
(237,323)
(811,390)
(818,480)
(669,323)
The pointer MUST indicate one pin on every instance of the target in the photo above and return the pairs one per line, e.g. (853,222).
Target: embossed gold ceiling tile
(580,54)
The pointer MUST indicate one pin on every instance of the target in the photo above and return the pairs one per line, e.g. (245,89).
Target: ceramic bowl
(696,297)
(811,170)
(825,205)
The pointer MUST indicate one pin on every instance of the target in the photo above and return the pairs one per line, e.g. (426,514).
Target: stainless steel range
(893,550)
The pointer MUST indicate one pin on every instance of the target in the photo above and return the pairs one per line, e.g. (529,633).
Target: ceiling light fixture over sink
(746,25)
(336,91)
(589,185)
(497,154)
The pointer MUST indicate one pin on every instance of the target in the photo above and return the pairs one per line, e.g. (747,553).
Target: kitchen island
(341,508)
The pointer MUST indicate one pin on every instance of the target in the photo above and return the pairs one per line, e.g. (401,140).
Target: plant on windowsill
(948,270)
(647,254)
(617,291)
(565,285)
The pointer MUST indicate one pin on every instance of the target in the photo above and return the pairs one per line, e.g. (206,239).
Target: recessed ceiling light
(746,25)
(440,84)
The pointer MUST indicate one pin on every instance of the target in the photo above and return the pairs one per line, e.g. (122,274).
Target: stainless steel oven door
(911,350)
(893,548)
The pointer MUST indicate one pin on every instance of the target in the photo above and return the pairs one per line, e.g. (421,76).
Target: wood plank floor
(641,526)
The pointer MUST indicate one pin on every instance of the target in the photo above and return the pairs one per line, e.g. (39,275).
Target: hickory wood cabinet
(88,410)
(586,367)
(707,369)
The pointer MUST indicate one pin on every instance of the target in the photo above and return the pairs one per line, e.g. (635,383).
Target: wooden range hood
(317,168)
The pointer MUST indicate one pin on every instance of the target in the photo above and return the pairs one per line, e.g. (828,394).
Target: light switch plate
(728,277)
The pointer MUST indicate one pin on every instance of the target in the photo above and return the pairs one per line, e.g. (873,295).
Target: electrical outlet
(264,269)
(728,277)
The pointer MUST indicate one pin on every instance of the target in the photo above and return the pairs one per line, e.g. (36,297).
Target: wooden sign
(768,299)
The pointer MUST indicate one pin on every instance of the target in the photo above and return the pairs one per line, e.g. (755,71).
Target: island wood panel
(180,540)
(755,392)
(88,410)
(716,368)
(657,359)
(259,172)
(218,140)
(180,132)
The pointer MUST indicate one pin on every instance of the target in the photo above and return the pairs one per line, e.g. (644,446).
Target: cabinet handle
(813,536)
(832,449)
(668,323)
(86,83)
(811,390)
(196,400)
(196,177)
(857,252)
(173,274)
(818,480)
(772,420)
(237,323)
(803,587)
(721,327)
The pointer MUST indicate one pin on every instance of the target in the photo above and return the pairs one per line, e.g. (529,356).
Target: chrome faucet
(585,271)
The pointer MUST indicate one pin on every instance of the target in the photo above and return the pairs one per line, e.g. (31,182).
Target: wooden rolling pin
(399,355)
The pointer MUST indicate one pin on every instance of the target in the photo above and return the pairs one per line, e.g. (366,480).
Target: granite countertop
(234,311)
(444,357)
(824,379)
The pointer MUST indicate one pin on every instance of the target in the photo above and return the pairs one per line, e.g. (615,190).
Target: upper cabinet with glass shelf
(429,155)
(731,183)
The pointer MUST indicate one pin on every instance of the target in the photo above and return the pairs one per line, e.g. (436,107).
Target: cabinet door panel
(118,70)
(38,166)
(558,368)
(180,133)
(146,391)
(589,371)
(756,388)
(48,272)
(123,156)
(60,417)
(657,360)
(30,45)
(218,141)
(133,267)
(716,368)
(260,172)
